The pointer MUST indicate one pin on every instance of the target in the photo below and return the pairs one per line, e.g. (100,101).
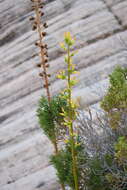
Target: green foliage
(96,176)
(108,172)
(64,165)
(46,119)
(115,101)
(121,151)
(117,171)
(58,103)
(49,116)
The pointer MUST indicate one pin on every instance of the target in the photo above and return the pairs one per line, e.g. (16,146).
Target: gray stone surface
(100,27)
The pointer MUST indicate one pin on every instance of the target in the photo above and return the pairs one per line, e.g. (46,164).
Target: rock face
(100,27)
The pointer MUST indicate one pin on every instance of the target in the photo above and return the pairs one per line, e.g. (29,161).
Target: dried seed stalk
(37,6)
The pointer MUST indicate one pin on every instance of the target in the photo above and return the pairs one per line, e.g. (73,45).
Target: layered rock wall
(100,27)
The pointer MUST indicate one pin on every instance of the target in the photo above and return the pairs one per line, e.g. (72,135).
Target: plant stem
(55,145)
(56,152)
(45,72)
(71,132)
(63,187)
(42,52)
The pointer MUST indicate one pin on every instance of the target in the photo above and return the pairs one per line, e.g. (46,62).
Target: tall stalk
(37,25)
(71,113)
(71,131)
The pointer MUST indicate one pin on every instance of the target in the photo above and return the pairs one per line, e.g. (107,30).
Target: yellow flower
(68,39)
(66,141)
(77,144)
(62,45)
(67,35)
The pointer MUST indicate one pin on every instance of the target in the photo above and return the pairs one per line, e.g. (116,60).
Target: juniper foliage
(49,116)
(63,164)
(115,101)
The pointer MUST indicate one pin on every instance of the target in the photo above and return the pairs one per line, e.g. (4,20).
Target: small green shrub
(46,119)
(121,151)
(96,179)
(49,116)
(115,101)
(64,165)
(105,172)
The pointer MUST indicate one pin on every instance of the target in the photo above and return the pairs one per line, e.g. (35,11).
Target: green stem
(71,132)
(55,146)
(56,152)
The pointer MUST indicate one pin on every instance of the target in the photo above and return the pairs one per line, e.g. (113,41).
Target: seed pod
(38,65)
(31,18)
(34,27)
(44,72)
(45,46)
(42,47)
(45,86)
(45,60)
(41,74)
(45,25)
(33,7)
(46,54)
(44,33)
(41,14)
(37,44)
(41,6)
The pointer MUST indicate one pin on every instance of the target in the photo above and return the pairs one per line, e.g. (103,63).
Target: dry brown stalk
(37,25)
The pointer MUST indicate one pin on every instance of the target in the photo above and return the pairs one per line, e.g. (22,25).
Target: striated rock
(100,27)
